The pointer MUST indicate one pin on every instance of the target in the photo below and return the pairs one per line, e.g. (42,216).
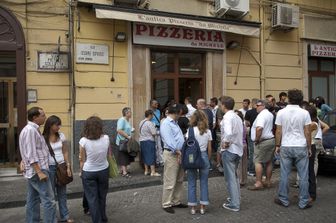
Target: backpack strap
(191,134)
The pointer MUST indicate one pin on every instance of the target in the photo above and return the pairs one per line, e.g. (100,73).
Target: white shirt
(232,132)
(191,110)
(319,131)
(214,112)
(96,153)
(243,111)
(265,121)
(57,147)
(293,119)
(202,140)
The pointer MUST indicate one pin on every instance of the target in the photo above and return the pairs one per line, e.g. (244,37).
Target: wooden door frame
(12,40)
(176,75)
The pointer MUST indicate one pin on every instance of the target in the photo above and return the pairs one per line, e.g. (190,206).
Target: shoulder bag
(62,177)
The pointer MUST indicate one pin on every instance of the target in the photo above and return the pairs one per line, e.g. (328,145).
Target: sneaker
(251,174)
(220,169)
(155,175)
(202,211)
(146,173)
(228,207)
(192,211)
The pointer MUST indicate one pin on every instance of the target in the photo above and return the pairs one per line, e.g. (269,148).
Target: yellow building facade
(94,57)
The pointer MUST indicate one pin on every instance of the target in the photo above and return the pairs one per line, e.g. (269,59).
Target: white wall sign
(150,34)
(318,50)
(31,95)
(92,53)
(53,61)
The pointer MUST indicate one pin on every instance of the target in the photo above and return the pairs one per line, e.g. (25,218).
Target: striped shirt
(33,149)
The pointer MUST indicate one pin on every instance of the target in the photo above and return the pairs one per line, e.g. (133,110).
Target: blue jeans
(95,189)
(61,194)
(230,165)
(40,191)
(192,178)
(250,144)
(300,157)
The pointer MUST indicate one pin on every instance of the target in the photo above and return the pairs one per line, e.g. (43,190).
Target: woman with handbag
(124,130)
(147,133)
(199,123)
(60,154)
(93,147)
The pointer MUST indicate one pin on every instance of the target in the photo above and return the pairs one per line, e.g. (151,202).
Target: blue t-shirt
(125,126)
(156,120)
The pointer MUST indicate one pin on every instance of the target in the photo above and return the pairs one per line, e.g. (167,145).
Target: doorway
(177,75)
(322,82)
(12,88)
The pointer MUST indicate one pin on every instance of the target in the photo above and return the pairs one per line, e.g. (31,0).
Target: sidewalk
(13,188)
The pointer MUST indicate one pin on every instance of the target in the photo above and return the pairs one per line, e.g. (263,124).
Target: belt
(265,139)
(168,149)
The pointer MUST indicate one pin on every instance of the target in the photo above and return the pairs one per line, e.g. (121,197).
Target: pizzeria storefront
(173,56)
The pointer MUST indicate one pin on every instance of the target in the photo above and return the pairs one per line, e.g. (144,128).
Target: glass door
(177,75)
(8,122)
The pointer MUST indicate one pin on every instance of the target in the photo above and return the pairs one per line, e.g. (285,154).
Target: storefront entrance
(177,75)
(322,81)
(12,88)
(8,121)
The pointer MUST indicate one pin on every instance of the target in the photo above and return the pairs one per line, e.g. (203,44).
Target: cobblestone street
(143,205)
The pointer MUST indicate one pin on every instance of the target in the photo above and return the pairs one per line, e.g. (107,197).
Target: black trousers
(311,173)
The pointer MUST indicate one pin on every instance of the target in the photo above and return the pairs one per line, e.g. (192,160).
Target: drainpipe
(261,48)
(72,90)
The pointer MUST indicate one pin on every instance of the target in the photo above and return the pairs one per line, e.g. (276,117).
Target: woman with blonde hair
(93,147)
(199,123)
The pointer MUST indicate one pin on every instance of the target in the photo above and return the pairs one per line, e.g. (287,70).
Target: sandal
(254,187)
(126,175)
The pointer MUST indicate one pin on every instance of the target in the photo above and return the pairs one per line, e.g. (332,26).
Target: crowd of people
(239,143)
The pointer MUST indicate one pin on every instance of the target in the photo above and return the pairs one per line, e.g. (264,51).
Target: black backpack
(191,152)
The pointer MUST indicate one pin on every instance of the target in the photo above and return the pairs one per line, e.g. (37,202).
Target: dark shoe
(180,206)
(309,205)
(86,211)
(169,210)
(278,202)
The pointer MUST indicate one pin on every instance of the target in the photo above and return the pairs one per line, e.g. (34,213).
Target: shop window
(190,63)
(162,63)
(327,66)
(312,65)
(176,75)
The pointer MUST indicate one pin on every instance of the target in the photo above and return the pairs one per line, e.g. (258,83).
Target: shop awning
(174,19)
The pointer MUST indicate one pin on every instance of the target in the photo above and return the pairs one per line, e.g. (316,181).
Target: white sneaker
(202,211)
(155,175)
(193,211)
(228,207)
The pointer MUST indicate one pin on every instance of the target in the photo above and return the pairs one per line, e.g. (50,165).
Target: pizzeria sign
(319,50)
(161,35)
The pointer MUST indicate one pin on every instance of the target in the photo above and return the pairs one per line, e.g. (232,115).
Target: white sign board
(92,53)
(162,35)
(53,61)
(318,50)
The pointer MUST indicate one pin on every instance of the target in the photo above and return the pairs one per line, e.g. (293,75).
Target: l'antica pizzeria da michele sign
(319,50)
(161,35)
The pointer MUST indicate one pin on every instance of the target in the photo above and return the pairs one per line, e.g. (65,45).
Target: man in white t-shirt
(264,144)
(246,106)
(294,137)
(231,151)
(191,109)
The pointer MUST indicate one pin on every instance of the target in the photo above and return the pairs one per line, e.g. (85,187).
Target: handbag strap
(51,151)
(142,125)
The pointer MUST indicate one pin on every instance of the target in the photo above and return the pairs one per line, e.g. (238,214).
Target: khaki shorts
(264,151)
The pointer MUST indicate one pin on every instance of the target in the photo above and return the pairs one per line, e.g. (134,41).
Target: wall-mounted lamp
(120,37)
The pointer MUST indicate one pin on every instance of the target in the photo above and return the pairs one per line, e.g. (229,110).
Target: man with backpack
(231,150)
(173,173)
